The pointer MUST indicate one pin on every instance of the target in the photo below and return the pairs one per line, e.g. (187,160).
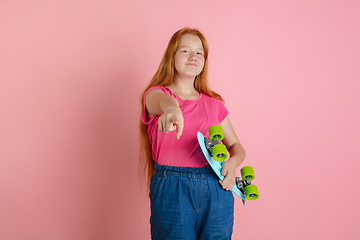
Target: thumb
(224,170)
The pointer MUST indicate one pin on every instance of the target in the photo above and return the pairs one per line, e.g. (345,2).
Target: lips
(192,64)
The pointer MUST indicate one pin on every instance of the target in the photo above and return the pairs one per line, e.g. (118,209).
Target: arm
(159,103)
(237,154)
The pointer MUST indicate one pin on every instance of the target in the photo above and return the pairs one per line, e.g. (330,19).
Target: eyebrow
(189,47)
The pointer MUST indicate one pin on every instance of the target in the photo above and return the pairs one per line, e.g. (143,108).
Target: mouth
(192,64)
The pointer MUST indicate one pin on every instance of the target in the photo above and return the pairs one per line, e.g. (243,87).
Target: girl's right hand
(172,119)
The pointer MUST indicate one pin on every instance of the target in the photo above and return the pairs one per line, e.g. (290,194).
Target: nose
(193,57)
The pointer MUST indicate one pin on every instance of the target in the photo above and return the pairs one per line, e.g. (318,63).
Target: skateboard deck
(216,166)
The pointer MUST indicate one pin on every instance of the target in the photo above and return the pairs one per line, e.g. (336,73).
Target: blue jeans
(189,203)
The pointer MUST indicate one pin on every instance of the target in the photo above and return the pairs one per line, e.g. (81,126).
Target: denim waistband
(163,170)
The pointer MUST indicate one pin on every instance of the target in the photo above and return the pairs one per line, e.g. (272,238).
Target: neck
(183,83)
(184,88)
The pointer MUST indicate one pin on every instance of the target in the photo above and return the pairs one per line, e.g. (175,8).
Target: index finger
(179,129)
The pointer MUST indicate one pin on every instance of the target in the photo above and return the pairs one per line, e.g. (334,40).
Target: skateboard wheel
(247,172)
(219,152)
(251,192)
(216,130)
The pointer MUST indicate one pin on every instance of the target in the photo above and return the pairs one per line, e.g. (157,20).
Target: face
(189,57)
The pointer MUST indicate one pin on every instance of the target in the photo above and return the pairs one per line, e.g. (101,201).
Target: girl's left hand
(229,171)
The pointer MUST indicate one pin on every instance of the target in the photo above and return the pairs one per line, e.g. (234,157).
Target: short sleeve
(222,111)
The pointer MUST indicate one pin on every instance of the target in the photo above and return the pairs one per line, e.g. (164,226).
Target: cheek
(177,65)
(178,58)
(202,63)
(177,61)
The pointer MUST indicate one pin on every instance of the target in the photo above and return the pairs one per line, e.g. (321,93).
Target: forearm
(157,102)
(237,154)
(171,116)
(166,101)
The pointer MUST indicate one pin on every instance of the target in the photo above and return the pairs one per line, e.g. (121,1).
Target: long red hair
(163,77)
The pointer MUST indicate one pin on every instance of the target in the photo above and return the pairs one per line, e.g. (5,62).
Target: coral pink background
(71,73)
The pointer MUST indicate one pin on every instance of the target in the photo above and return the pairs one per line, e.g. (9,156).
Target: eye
(200,53)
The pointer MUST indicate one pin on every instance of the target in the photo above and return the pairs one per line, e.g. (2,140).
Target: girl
(187,201)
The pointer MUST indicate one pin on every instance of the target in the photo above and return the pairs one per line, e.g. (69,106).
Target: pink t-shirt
(199,115)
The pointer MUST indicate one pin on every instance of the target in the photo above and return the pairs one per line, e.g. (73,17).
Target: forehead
(190,40)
